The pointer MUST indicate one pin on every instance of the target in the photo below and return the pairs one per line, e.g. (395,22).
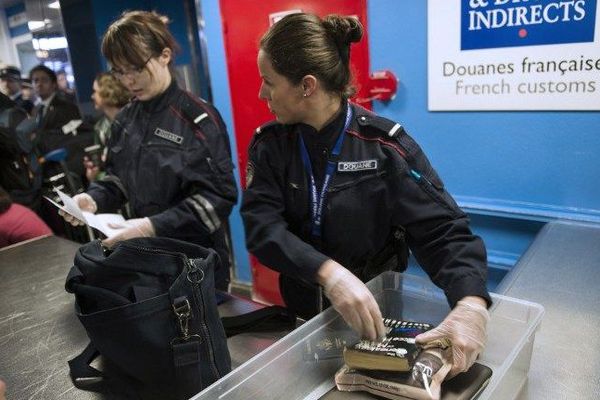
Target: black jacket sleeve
(267,234)
(211,188)
(437,229)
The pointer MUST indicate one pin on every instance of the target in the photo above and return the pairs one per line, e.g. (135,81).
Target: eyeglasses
(130,73)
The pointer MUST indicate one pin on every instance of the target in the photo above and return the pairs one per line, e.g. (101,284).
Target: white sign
(513,55)
(17,20)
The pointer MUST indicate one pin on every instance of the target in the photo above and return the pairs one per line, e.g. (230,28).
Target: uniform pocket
(434,188)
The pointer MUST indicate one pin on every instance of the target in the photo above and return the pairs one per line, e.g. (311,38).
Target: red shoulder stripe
(197,132)
(380,140)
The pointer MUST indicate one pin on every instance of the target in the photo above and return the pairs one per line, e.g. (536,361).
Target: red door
(244,23)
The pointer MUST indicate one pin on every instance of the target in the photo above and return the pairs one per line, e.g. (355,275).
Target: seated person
(18,223)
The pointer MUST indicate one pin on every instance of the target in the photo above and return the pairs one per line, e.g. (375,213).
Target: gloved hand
(132,228)
(465,326)
(352,299)
(85,202)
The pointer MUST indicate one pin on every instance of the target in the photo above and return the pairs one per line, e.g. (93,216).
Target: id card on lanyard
(318,197)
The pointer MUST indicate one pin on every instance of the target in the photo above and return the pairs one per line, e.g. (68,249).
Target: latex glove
(465,326)
(352,299)
(132,228)
(85,202)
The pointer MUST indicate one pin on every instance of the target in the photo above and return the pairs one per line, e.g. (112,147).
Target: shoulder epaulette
(195,111)
(265,127)
(385,126)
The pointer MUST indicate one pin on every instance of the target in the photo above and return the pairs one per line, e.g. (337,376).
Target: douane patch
(168,136)
(355,166)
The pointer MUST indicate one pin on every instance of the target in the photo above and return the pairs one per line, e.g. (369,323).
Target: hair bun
(344,30)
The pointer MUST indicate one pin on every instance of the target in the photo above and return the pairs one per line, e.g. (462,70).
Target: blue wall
(217,69)
(534,161)
(510,158)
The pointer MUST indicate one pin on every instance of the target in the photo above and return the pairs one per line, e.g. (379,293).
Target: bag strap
(80,368)
(86,377)
(261,320)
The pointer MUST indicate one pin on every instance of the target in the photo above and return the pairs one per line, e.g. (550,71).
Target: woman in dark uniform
(333,188)
(169,154)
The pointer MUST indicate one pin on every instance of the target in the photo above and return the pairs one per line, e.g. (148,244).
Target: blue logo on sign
(488,24)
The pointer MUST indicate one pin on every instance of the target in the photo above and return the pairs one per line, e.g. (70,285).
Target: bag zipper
(191,268)
(203,328)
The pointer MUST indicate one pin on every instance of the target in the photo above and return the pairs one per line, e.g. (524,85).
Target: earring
(305,95)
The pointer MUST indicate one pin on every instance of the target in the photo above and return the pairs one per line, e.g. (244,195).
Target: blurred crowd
(46,143)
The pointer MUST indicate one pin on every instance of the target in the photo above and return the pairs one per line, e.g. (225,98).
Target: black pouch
(149,308)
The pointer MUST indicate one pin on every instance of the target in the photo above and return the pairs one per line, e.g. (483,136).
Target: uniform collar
(161,101)
(329,133)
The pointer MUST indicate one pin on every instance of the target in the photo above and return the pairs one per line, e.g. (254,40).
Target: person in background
(18,223)
(332,191)
(11,85)
(53,111)
(168,154)
(64,90)
(109,97)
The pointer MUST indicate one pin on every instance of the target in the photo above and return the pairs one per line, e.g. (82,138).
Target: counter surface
(561,271)
(39,331)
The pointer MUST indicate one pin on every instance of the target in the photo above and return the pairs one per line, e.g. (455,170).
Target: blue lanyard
(317,198)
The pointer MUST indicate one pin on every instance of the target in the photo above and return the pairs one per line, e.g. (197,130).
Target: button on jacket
(169,157)
(382,182)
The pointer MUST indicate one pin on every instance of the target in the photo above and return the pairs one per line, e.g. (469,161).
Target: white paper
(98,221)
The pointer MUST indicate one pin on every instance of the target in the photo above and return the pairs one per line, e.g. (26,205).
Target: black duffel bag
(150,311)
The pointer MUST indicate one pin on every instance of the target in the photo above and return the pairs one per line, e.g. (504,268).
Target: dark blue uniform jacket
(170,159)
(383,187)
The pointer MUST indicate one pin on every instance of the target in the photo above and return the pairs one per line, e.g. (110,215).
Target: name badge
(168,136)
(354,166)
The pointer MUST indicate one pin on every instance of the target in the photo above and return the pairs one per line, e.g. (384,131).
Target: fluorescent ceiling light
(35,25)
(54,4)
(50,43)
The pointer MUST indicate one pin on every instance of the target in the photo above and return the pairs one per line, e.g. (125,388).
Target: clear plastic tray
(291,369)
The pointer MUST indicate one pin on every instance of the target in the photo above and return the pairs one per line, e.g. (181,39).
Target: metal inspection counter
(39,331)
(561,271)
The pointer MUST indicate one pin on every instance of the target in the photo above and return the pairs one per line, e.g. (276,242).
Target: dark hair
(42,68)
(112,91)
(136,36)
(304,44)
(5,200)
